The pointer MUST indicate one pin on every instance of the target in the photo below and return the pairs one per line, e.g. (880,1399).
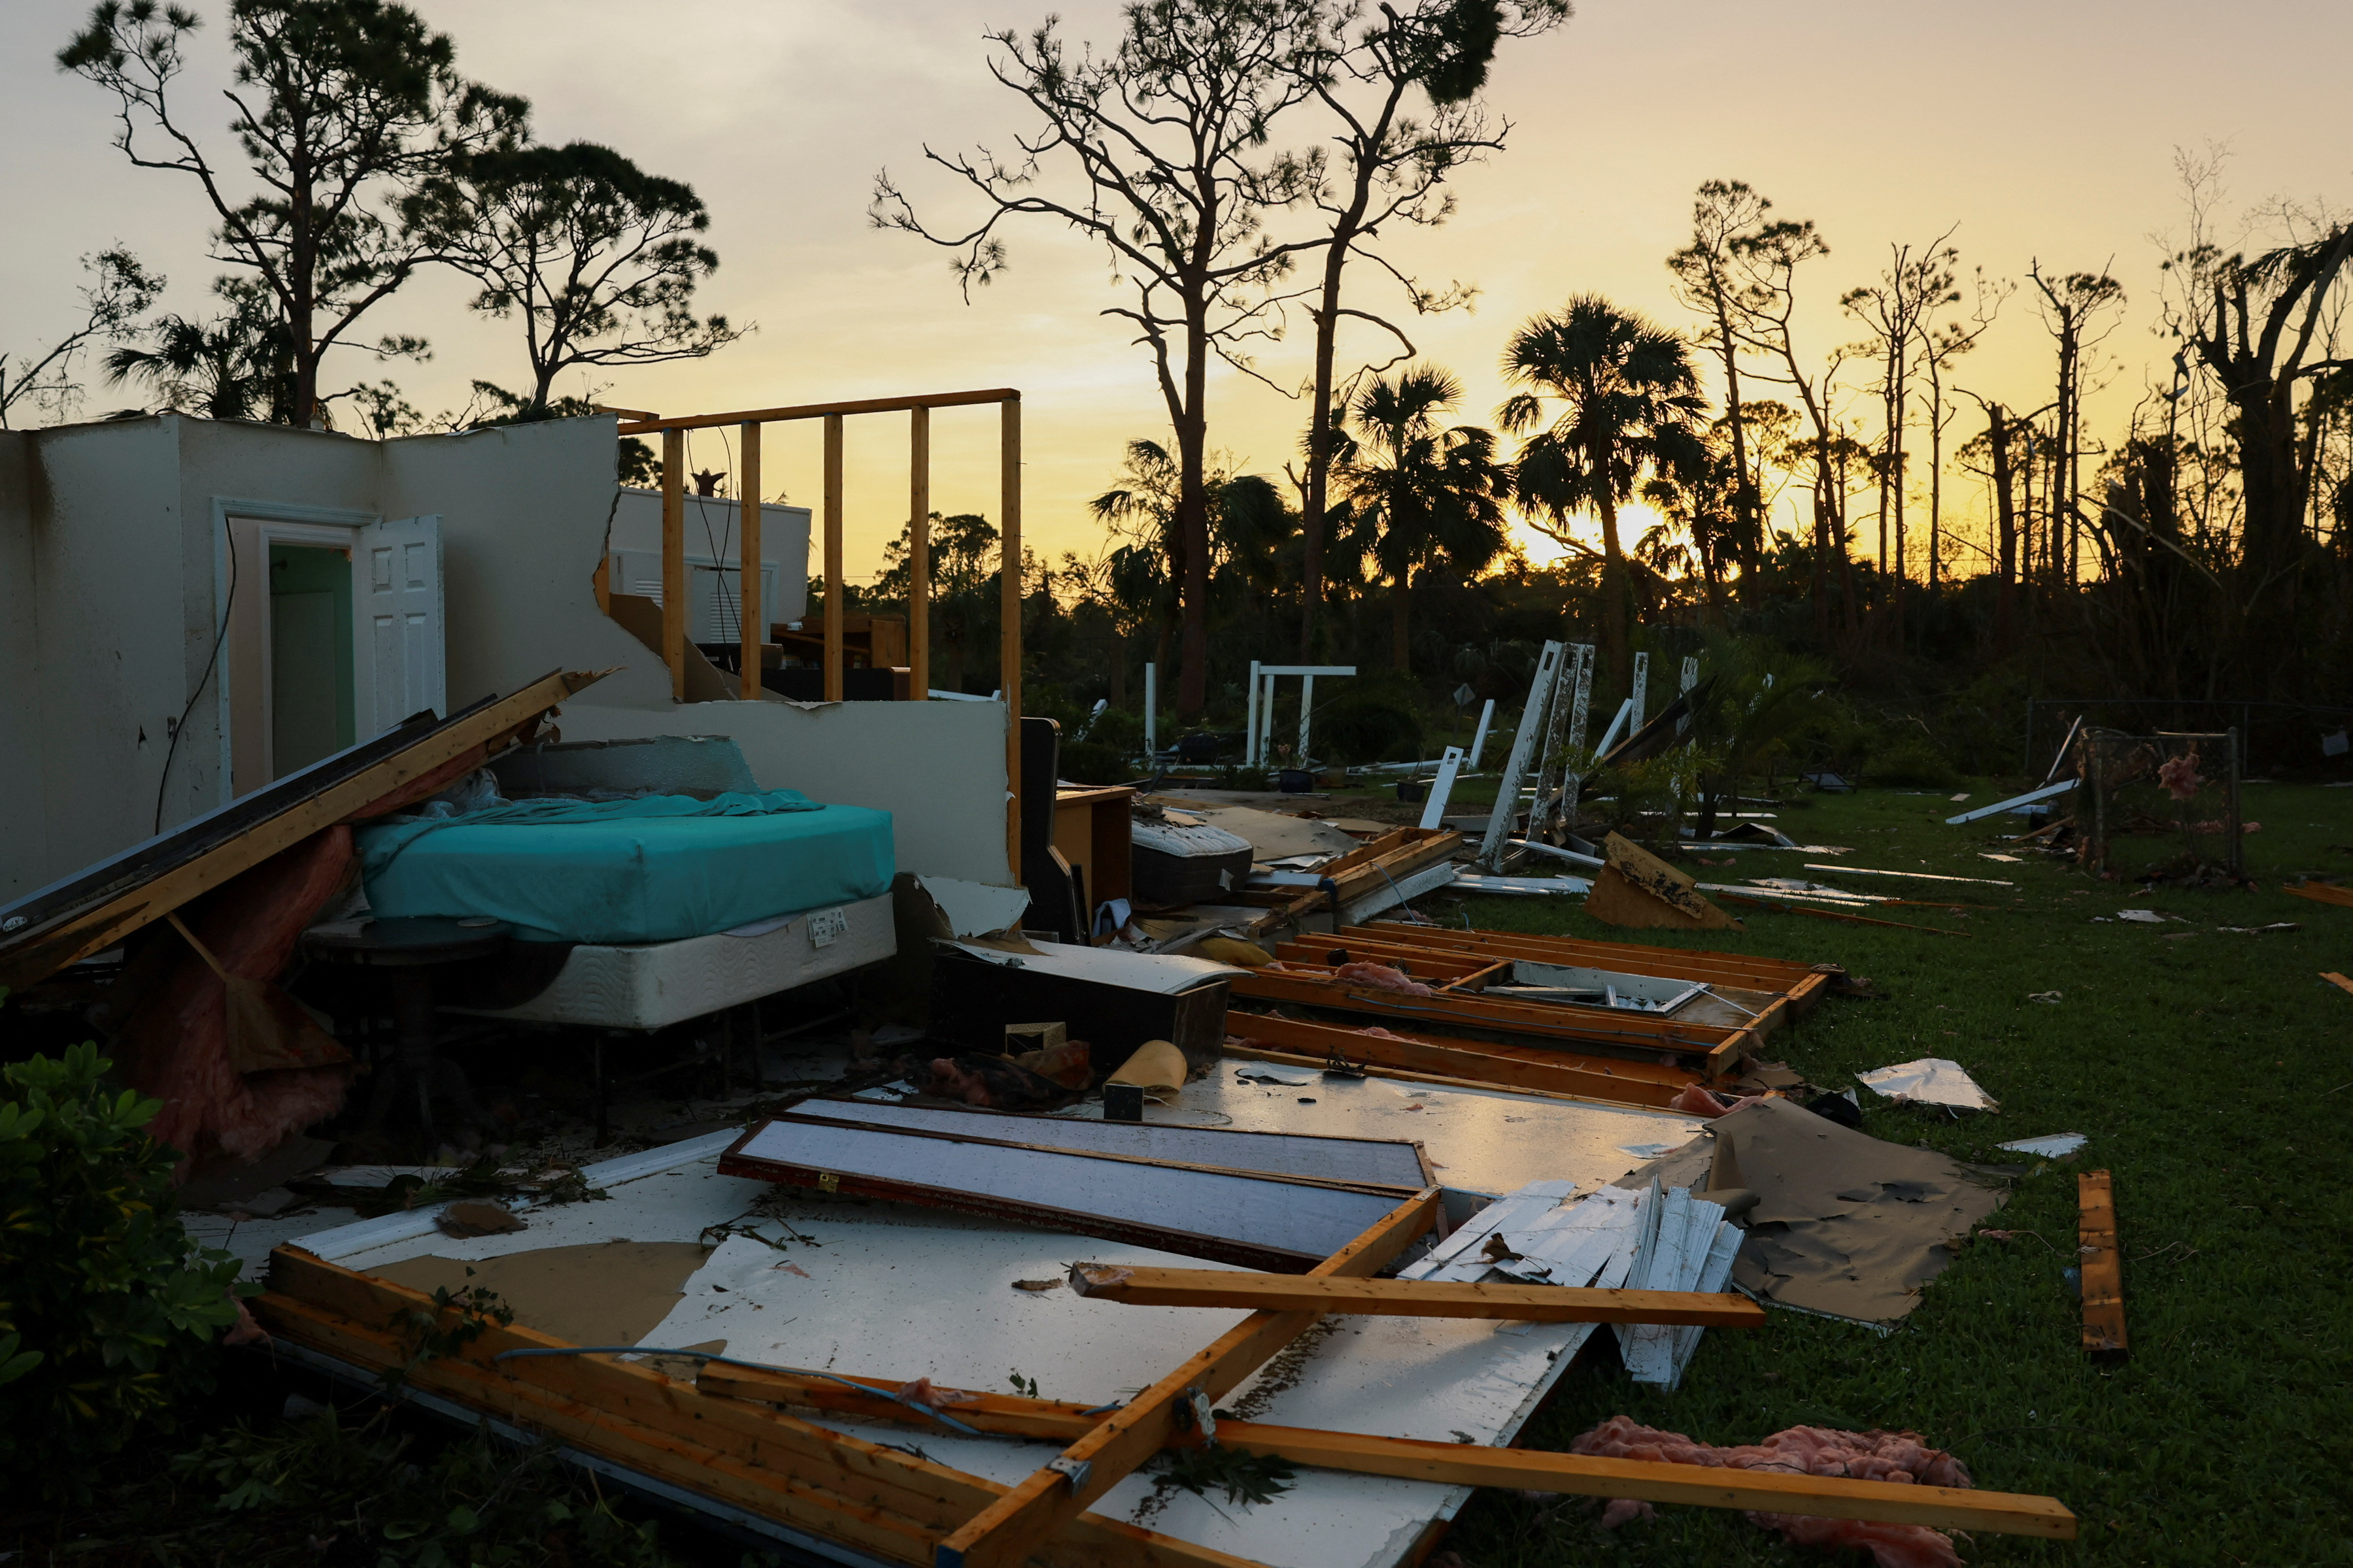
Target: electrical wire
(181,725)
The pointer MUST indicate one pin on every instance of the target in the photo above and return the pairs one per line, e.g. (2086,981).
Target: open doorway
(313,712)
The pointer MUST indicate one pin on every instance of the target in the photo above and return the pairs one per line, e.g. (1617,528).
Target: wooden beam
(2103,1269)
(1768,1491)
(1627,1080)
(751,611)
(833,584)
(2319,892)
(673,560)
(1011,1528)
(1453,1464)
(649,425)
(1008,591)
(1683,964)
(1140,1285)
(919,553)
(828,1482)
(111,900)
(2337,980)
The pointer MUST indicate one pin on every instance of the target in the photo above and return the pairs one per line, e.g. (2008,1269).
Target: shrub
(1093,763)
(1914,763)
(1373,722)
(107,1307)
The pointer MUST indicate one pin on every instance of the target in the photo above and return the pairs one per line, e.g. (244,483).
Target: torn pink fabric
(1381,977)
(174,1045)
(2179,775)
(1876,1456)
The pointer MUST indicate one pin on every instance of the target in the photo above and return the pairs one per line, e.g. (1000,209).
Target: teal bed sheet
(653,870)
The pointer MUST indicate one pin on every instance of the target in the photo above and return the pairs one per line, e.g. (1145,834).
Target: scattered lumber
(879,1500)
(1407,1458)
(2103,1269)
(1145,1287)
(1007,1532)
(1294,1042)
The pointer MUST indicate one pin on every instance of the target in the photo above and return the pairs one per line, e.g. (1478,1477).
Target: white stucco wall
(109,581)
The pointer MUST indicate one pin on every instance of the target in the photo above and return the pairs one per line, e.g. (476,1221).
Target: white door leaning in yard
(401,665)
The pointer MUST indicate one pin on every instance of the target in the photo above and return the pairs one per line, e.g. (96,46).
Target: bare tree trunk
(1615,634)
(2005,531)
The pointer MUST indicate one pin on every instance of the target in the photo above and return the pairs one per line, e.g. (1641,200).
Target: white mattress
(651,984)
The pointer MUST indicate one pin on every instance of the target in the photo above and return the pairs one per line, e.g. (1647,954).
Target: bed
(674,906)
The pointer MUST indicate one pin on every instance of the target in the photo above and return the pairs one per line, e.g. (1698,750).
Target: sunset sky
(2044,132)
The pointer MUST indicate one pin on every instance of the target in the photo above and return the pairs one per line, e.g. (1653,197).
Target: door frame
(274,523)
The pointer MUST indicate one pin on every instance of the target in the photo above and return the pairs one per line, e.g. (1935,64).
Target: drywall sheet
(1164,974)
(888,1290)
(1366,1160)
(1844,1223)
(1250,1220)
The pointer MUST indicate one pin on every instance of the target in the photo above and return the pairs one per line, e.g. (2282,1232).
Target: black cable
(202,681)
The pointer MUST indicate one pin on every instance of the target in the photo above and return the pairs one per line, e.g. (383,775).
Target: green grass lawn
(2210,1072)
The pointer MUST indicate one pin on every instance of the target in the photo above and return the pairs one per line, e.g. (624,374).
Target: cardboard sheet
(1844,1223)
(596,1293)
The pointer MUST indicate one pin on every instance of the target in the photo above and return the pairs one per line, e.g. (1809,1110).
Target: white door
(400,667)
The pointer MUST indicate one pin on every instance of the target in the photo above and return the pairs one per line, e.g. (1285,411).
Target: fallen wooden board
(2103,1269)
(1916,876)
(1623,1080)
(2320,892)
(1011,1528)
(1644,958)
(1457,1464)
(1607,1030)
(2337,980)
(1763,902)
(1147,1287)
(774,1466)
(69,920)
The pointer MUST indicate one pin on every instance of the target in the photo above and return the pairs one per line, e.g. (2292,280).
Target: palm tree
(228,368)
(1420,495)
(1629,406)
(1703,504)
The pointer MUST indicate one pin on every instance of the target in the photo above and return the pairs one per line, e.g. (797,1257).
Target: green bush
(1093,763)
(473,1501)
(1913,762)
(1374,721)
(107,1307)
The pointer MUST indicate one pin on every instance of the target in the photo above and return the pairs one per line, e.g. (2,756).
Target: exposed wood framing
(673,560)
(72,919)
(881,1500)
(1456,1464)
(835,588)
(918,408)
(750,612)
(1008,590)
(709,1437)
(1802,982)
(1015,1525)
(1717,1049)
(648,425)
(1625,1080)
(1145,1287)
(2103,1269)
(919,553)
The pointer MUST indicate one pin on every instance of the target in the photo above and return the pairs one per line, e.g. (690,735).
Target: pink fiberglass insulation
(1899,1456)
(174,1045)
(1381,977)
